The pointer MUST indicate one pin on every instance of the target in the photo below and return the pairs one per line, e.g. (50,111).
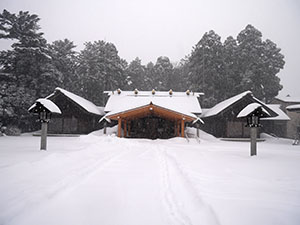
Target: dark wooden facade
(74,118)
(225,124)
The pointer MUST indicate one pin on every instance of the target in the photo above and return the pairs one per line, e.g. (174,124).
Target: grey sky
(149,29)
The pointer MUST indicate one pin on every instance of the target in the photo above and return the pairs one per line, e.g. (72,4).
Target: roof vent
(170,92)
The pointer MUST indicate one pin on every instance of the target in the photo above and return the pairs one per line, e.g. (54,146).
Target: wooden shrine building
(221,120)
(152,114)
(79,116)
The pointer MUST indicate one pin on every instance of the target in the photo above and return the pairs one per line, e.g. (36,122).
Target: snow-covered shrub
(12,131)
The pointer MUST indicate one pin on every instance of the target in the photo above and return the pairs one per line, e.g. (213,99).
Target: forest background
(33,68)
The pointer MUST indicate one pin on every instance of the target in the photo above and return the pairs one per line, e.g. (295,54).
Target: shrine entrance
(151,122)
(152,127)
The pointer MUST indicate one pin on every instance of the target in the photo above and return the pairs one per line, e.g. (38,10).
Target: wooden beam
(119,126)
(182,127)
(129,122)
(125,128)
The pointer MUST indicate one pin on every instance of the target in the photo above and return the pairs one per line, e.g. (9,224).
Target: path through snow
(111,181)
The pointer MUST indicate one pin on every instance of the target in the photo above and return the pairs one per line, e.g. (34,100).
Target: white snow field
(96,179)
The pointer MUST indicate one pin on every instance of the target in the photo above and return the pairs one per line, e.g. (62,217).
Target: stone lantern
(44,108)
(253,112)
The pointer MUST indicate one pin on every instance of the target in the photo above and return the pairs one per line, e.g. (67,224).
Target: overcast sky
(149,29)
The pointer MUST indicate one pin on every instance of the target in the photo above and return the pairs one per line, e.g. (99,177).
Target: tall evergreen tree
(163,70)
(206,68)
(64,58)
(27,66)
(232,76)
(136,75)
(100,69)
(259,62)
(223,70)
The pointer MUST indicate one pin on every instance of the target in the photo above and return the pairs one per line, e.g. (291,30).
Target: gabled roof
(151,109)
(179,102)
(288,99)
(82,102)
(220,107)
(225,104)
(281,114)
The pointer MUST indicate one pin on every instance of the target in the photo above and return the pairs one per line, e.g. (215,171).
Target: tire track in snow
(185,207)
(175,214)
(22,204)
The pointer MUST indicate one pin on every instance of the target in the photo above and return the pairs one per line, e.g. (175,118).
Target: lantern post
(253,112)
(44,119)
(44,108)
(253,122)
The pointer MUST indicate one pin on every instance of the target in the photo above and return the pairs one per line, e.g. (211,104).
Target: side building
(293,124)
(221,120)
(79,116)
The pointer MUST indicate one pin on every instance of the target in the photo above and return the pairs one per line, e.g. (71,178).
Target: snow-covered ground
(97,179)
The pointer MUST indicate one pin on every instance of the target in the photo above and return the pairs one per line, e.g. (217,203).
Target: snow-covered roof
(101,110)
(48,104)
(87,105)
(289,99)
(225,104)
(293,107)
(179,102)
(281,114)
(250,108)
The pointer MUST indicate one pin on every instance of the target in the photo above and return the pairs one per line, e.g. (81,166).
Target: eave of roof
(148,109)
(80,101)
(224,105)
(218,108)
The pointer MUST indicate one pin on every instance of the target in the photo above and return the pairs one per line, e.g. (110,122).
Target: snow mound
(192,133)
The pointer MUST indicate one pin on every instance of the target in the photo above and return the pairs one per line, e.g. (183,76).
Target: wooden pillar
(119,126)
(175,128)
(44,136)
(129,122)
(182,127)
(178,127)
(253,135)
(125,128)
(105,126)
(198,135)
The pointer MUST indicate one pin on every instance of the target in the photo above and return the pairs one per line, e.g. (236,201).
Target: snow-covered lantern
(119,91)
(253,112)
(44,108)
(188,92)
(136,91)
(170,92)
(153,91)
